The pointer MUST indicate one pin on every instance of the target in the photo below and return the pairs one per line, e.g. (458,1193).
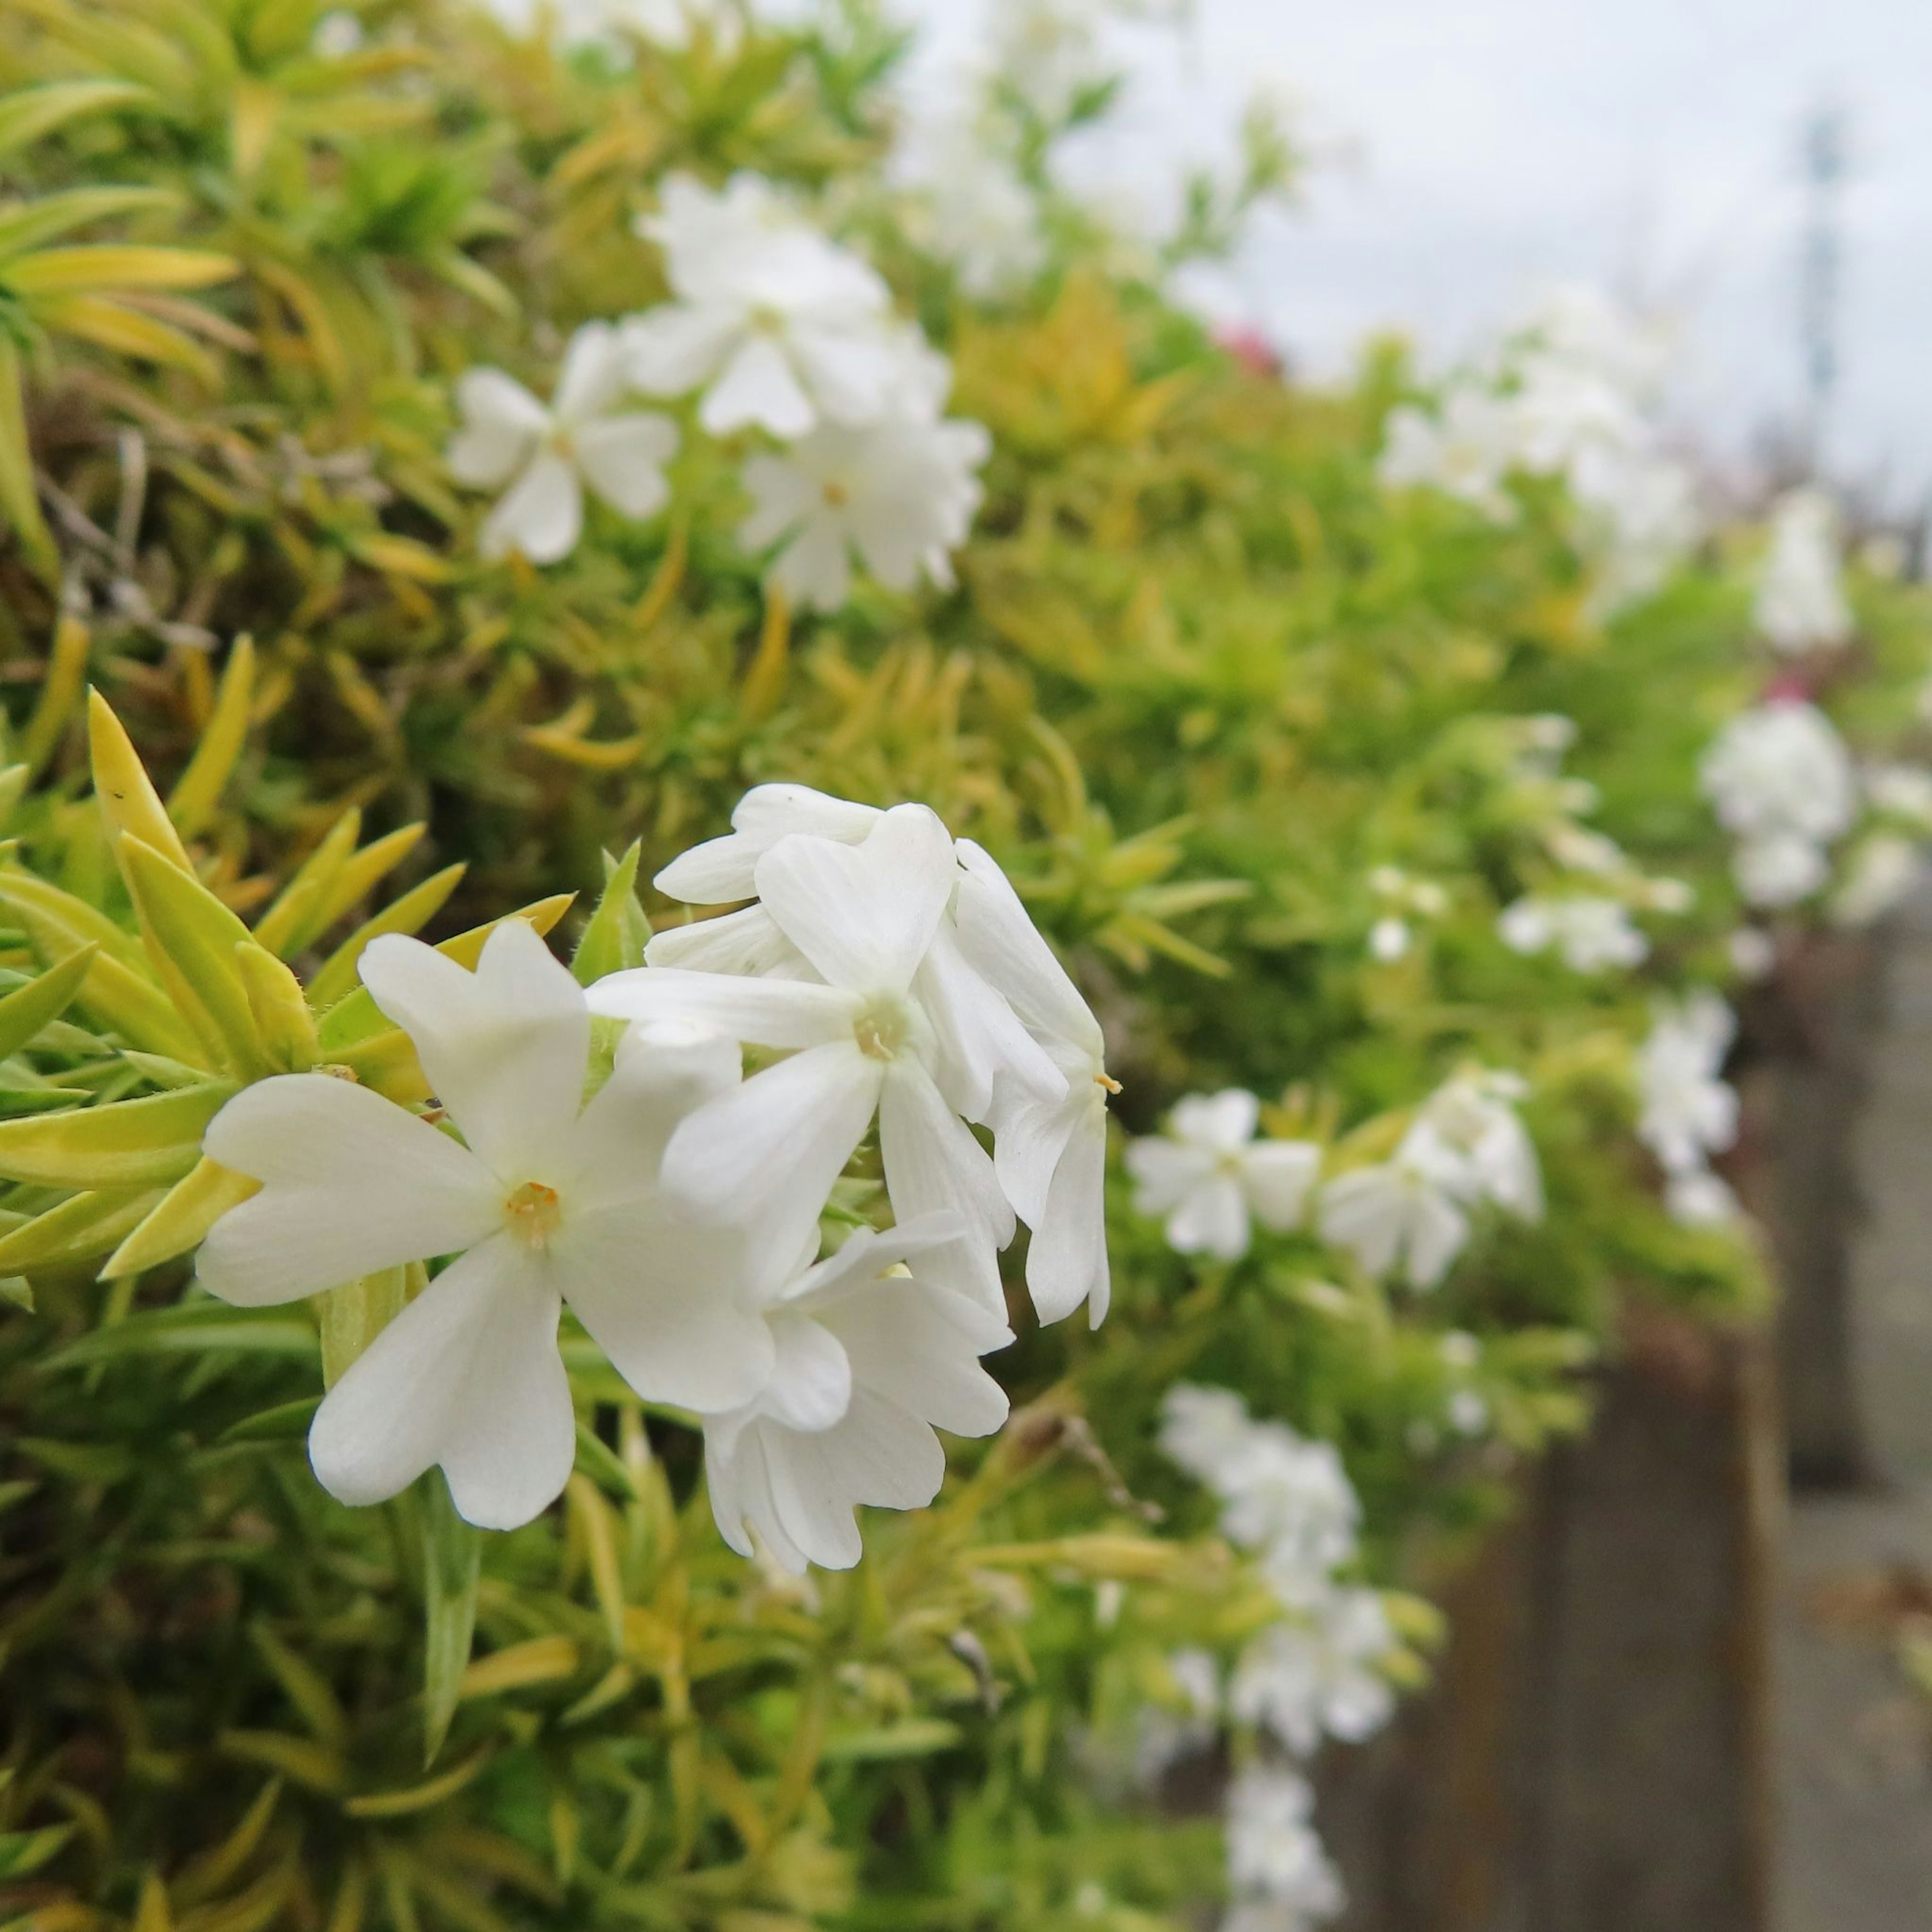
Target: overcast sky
(1476,152)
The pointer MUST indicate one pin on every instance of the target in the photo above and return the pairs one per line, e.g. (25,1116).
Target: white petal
(999,937)
(865,1256)
(542,516)
(1437,1234)
(864,915)
(354,1183)
(878,1454)
(663,1073)
(934,1165)
(1029,1137)
(1166,1172)
(660,1298)
(811,1385)
(721,869)
(504,1047)
(783,497)
(918,1347)
(468,1376)
(745,944)
(775,1145)
(815,571)
(1275,1176)
(847,370)
(766,1012)
(1213,1219)
(1363,1212)
(622,458)
(1224,1121)
(1066,1264)
(758,390)
(978,1035)
(595,374)
(738,1477)
(502,422)
(672,350)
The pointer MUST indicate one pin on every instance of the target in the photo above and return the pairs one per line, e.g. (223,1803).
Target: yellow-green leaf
(33,112)
(146,1143)
(117,265)
(282,1021)
(296,917)
(83,1226)
(27,1010)
(614,936)
(408,914)
(26,224)
(355,1314)
(181,1220)
(128,800)
(192,803)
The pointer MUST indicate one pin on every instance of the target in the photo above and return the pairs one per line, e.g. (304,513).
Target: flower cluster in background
(780,333)
(1689,1112)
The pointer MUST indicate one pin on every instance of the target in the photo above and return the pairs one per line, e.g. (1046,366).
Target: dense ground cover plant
(524,443)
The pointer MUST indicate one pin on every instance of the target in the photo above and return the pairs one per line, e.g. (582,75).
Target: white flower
(1274,1857)
(1689,1111)
(1049,52)
(1468,1136)
(1560,413)
(1780,868)
(1881,872)
(989,977)
(1781,768)
(546,456)
(1318,1674)
(1701,1199)
(1579,325)
(867,1364)
(978,213)
(1212,1174)
(1206,1431)
(864,1039)
(1396,1214)
(781,328)
(900,494)
(1800,599)
(1465,450)
(545,1200)
(1904,791)
(1590,933)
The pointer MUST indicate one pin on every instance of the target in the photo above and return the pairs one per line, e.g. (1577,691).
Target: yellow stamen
(533,1213)
(1101,1080)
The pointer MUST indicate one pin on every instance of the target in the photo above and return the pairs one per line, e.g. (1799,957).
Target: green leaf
(918,1737)
(281,1015)
(285,1423)
(452,1567)
(127,796)
(407,914)
(83,1227)
(27,224)
(295,918)
(615,934)
(355,1314)
(23,1013)
(22,1852)
(25,116)
(145,1143)
(191,938)
(181,1220)
(191,804)
(193,1328)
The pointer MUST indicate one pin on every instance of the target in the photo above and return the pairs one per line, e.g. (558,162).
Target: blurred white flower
(1590,934)
(866,1364)
(1469,1135)
(1281,1878)
(1900,791)
(1688,1111)
(869,1035)
(973,209)
(1465,449)
(1753,952)
(1205,1430)
(900,494)
(547,455)
(1701,1199)
(545,1200)
(1318,1674)
(782,329)
(1779,778)
(1209,1175)
(1801,597)
(1398,1214)
(1049,53)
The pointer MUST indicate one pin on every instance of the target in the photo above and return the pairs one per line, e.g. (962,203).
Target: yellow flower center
(836,493)
(881,1029)
(533,1212)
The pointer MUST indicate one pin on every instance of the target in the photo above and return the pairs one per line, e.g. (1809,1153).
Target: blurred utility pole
(1826,159)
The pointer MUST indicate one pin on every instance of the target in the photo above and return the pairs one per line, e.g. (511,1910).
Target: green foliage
(1203,677)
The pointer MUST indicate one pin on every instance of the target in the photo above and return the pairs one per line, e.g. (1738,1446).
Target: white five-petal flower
(867,1365)
(546,455)
(1398,1214)
(781,328)
(544,1200)
(1210,1175)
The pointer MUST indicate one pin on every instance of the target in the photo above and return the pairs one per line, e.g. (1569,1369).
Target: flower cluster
(1410,1214)
(1801,597)
(779,332)
(1319,1671)
(1689,1112)
(1781,782)
(1591,933)
(886,973)
(1569,395)
(1402,901)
